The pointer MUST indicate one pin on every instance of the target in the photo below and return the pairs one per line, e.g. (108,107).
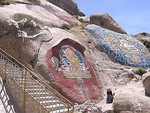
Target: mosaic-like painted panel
(125,49)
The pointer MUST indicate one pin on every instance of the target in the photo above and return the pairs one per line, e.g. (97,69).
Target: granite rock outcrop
(106,21)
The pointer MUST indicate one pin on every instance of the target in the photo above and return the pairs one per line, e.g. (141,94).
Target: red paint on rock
(70,87)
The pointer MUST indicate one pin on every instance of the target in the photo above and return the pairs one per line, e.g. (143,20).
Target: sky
(132,15)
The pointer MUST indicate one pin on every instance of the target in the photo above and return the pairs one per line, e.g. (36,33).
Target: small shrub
(66,26)
(144,34)
(5,2)
(3,23)
(82,25)
(140,71)
(36,2)
(19,16)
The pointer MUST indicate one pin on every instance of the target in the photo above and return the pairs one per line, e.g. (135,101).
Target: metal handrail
(41,82)
(5,102)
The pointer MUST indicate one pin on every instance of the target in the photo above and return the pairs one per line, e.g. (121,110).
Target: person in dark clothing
(109,96)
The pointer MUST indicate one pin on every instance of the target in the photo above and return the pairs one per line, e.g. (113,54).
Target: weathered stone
(143,34)
(146,83)
(67,75)
(81,14)
(84,19)
(47,14)
(126,112)
(128,101)
(125,49)
(145,40)
(33,51)
(76,79)
(22,48)
(106,21)
(68,5)
(87,107)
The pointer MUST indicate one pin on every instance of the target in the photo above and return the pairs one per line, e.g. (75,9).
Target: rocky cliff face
(144,38)
(68,5)
(106,21)
(103,20)
(46,13)
(69,58)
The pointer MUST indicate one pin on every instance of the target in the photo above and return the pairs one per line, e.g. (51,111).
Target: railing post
(68,108)
(24,96)
(72,108)
(22,84)
(5,72)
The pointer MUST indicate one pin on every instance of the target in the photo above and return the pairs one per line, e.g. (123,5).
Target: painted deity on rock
(73,72)
(72,63)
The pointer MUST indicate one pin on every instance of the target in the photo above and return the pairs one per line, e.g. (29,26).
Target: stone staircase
(31,88)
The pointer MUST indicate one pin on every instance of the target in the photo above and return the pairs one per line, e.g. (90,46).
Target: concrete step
(39,94)
(13,72)
(33,86)
(56,108)
(45,98)
(28,81)
(50,102)
(35,90)
(14,68)
(64,110)
(28,84)
(2,62)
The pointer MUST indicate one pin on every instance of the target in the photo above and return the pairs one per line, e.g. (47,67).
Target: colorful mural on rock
(71,70)
(125,49)
(72,63)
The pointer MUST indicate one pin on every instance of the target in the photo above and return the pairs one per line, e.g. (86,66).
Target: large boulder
(123,48)
(106,21)
(69,68)
(129,101)
(144,38)
(68,5)
(46,14)
(84,19)
(23,39)
(56,54)
(31,44)
(146,83)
